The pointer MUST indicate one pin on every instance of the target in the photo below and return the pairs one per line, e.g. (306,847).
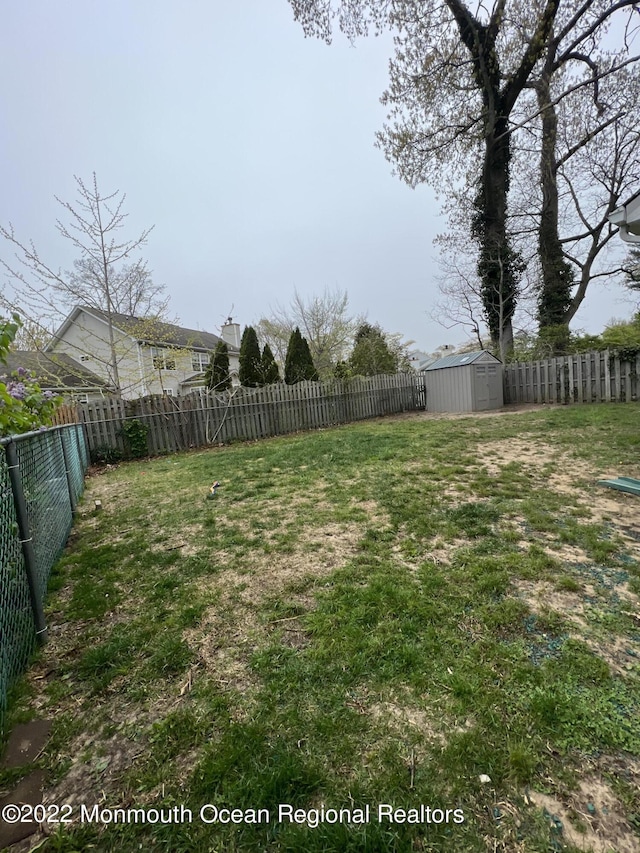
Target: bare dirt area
(230,631)
(584,612)
(512,409)
(590,818)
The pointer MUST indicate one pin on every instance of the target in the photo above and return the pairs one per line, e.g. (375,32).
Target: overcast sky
(249,147)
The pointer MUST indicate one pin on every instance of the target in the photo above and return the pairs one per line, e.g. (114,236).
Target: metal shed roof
(460,360)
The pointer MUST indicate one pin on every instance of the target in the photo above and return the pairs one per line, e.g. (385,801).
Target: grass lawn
(412,612)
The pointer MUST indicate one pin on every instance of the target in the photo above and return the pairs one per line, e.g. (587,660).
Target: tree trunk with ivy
(554,298)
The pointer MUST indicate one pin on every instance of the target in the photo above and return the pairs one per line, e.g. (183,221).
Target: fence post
(26,541)
(67,471)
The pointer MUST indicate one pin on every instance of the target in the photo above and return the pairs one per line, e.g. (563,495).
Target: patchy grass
(377,614)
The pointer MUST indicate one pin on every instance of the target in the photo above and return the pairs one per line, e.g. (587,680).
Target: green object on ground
(623,484)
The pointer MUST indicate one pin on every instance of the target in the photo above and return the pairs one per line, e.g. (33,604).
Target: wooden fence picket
(591,377)
(203,417)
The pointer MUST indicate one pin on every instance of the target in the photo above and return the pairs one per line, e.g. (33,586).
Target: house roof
(55,371)
(419,360)
(156,332)
(460,360)
(150,331)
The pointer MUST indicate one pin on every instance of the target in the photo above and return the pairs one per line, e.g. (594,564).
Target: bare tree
(323,320)
(131,288)
(588,138)
(460,303)
(457,82)
(107,274)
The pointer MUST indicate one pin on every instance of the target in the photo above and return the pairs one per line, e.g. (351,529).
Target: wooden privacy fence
(592,377)
(201,418)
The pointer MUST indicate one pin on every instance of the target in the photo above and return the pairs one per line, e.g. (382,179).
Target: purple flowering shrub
(24,406)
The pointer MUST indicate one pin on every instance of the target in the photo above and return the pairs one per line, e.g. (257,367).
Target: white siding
(89,336)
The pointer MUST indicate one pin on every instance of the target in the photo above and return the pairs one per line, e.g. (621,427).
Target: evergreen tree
(250,359)
(268,367)
(298,364)
(371,354)
(216,377)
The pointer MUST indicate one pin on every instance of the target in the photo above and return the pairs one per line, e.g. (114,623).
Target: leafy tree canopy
(371,353)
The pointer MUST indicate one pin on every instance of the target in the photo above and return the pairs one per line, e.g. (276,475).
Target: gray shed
(469,382)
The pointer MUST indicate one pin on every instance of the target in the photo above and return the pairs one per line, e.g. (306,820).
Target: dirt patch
(105,490)
(400,713)
(320,551)
(495,455)
(189,543)
(615,651)
(231,629)
(515,409)
(542,596)
(94,769)
(441,553)
(403,718)
(599,503)
(591,818)
(568,553)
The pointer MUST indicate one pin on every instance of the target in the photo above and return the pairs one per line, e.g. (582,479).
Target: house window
(162,358)
(81,398)
(85,358)
(168,392)
(200,360)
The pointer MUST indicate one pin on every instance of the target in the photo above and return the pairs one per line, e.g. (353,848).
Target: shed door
(493,386)
(481,387)
(487,387)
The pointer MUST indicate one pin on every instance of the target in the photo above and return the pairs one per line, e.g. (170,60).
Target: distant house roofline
(168,334)
(55,371)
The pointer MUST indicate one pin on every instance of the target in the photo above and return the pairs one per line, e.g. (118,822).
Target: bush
(105,455)
(135,436)
(24,406)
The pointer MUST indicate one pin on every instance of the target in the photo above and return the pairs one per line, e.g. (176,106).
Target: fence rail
(41,480)
(593,377)
(202,418)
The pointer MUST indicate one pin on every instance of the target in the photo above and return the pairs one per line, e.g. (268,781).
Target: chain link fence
(41,480)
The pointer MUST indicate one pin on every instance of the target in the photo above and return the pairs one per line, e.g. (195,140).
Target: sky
(249,148)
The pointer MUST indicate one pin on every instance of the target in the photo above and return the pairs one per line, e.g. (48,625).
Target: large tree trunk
(554,297)
(497,262)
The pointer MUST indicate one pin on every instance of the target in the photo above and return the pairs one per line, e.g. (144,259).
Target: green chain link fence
(41,480)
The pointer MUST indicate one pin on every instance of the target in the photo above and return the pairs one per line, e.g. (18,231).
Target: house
(419,360)
(627,218)
(466,382)
(142,356)
(60,374)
